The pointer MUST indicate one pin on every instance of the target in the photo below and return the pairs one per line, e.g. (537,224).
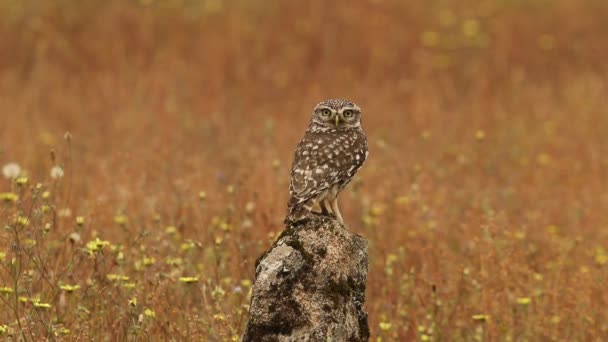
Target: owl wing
(324,159)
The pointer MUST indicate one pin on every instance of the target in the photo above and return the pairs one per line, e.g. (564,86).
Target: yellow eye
(348,113)
(326,112)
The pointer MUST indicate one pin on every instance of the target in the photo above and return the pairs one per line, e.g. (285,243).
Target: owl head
(337,113)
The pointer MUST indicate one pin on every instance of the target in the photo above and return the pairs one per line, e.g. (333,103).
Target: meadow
(145,149)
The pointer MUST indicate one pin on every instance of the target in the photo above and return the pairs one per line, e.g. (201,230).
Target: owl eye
(325,112)
(348,113)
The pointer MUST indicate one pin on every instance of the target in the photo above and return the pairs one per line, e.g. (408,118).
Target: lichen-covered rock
(310,286)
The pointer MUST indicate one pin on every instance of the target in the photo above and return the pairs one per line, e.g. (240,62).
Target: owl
(333,149)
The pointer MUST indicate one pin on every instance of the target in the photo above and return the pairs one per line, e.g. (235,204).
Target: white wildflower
(56,172)
(11,170)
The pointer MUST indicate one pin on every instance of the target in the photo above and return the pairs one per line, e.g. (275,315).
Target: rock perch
(310,286)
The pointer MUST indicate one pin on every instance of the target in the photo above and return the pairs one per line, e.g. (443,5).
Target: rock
(310,285)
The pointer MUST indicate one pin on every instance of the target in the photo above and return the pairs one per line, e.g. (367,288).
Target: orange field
(146,149)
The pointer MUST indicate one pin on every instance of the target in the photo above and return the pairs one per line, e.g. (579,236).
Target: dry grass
(484,199)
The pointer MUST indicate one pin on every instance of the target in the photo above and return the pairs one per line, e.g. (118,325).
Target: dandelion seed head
(11,170)
(57,172)
(74,237)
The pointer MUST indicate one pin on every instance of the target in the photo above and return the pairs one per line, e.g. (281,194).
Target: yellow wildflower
(8,197)
(385,326)
(22,221)
(187,245)
(188,280)
(276,163)
(600,256)
(391,258)
(173,261)
(69,288)
(96,245)
(148,261)
(6,289)
(117,277)
(403,200)
(480,317)
(524,301)
(225,226)
(149,313)
(121,219)
(171,230)
(38,305)
(133,301)
(377,210)
(218,292)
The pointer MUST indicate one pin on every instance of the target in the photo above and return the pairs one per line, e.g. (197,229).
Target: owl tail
(299,211)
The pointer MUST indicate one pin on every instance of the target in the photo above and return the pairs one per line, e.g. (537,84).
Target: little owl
(333,148)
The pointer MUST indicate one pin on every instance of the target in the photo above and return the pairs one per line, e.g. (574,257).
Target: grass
(484,199)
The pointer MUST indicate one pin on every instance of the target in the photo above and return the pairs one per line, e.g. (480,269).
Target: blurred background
(484,198)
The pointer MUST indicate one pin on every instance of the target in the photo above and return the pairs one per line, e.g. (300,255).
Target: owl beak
(337,120)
